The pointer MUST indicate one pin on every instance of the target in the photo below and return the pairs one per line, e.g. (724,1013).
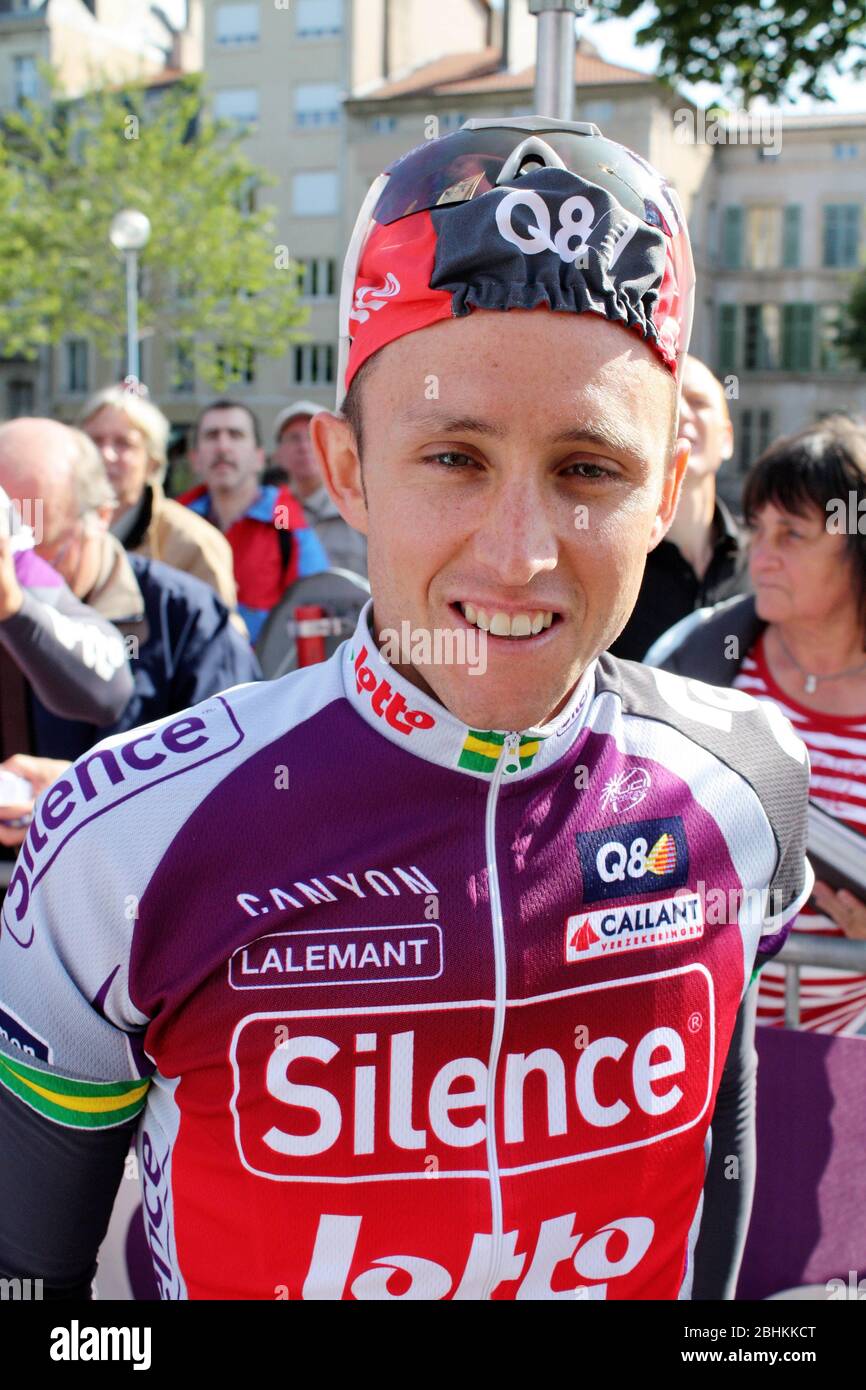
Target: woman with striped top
(801,643)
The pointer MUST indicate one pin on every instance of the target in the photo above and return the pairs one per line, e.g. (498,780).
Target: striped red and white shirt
(831,1001)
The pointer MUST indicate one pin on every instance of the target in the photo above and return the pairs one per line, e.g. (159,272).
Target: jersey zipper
(510,752)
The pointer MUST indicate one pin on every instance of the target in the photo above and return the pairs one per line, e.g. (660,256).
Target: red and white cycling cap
(523,213)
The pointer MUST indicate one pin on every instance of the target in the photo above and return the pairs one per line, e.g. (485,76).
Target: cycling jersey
(412,1010)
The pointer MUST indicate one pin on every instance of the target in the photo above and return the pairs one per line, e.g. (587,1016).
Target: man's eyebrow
(454,424)
(606,437)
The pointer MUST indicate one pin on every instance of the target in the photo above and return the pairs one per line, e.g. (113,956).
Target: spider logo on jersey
(624,790)
(642,856)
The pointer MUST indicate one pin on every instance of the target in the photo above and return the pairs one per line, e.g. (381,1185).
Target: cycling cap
(517,214)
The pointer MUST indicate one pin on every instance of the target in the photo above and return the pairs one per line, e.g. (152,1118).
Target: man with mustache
(265,525)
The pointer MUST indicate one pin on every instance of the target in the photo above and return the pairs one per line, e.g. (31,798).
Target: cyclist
(474,1049)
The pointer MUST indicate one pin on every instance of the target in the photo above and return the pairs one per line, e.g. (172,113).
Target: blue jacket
(186,650)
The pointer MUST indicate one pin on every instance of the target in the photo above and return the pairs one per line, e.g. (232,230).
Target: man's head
(228,455)
(705,420)
(294,452)
(516,305)
(131,433)
(42,461)
(534,482)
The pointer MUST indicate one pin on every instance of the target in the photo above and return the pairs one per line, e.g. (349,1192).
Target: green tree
(775,48)
(851,328)
(215,276)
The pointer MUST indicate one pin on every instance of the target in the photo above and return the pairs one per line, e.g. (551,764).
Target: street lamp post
(129,233)
(554,64)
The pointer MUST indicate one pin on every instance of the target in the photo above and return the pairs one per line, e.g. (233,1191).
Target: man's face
(534,483)
(226,456)
(704,420)
(42,471)
(124,453)
(295,454)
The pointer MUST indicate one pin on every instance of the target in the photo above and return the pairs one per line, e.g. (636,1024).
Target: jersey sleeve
(794,879)
(70,1035)
(755,741)
(73,1073)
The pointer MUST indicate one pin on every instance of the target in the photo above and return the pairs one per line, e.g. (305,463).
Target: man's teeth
(505,624)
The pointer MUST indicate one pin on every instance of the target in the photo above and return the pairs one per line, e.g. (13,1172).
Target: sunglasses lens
(464,165)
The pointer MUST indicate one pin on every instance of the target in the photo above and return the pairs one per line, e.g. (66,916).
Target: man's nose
(517,537)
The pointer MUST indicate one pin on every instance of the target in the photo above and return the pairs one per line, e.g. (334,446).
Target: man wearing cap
(346,548)
(429,990)
(271,543)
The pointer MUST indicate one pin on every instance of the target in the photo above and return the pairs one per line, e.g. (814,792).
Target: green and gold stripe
(481,750)
(81,1104)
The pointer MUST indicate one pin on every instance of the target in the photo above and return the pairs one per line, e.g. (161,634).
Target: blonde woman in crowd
(131,433)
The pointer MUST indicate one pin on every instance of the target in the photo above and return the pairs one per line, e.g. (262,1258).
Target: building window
(763,238)
(237,24)
(315,193)
(798,336)
(841,234)
(727,338)
(75,365)
(19,398)
(236,364)
(245,197)
(599,112)
(25,79)
(755,430)
(846,151)
(317,104)
(313,364)
(761,338)
(732,238)
(317,19)
(451,120)
(383,125)
(831,358)
(791,224)
(183,367)
(319,278)
(238,104)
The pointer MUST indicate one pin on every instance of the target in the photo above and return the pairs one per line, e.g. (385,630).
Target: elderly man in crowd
(177,630)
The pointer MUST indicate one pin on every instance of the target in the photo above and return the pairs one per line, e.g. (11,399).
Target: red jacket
(265,563)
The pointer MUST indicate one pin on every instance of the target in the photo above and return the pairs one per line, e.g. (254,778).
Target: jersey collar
(416,722)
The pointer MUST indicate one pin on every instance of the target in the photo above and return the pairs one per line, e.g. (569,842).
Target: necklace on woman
(811,681)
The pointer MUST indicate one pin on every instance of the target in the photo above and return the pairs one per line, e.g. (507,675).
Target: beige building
(332,90)
(285,71)
(788,215)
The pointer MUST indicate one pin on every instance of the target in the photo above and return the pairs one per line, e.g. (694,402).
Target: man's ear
(337,453)
(673,482)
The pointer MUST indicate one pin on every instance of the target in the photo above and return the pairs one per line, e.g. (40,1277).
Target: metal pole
(554,64)
(132,314)
(792,996)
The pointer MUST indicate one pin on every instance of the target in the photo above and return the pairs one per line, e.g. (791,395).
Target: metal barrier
(832,953)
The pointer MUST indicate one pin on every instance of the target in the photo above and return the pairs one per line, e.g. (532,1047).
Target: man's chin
(475,702)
